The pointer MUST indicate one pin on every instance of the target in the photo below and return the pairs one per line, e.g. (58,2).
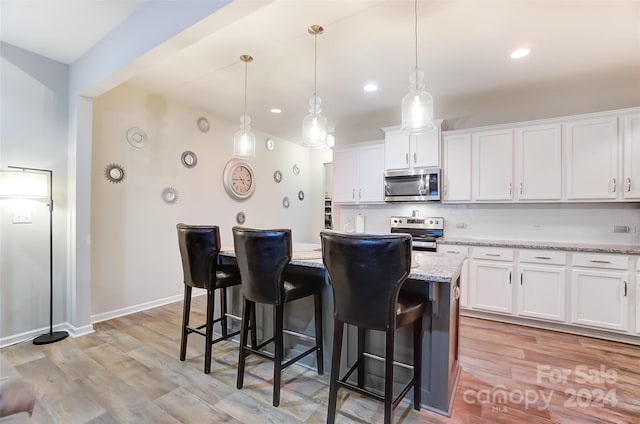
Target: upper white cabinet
(591,147)
(538,162)
(358,174)
(404,151)
(631,152)
(456,175)
(493,165)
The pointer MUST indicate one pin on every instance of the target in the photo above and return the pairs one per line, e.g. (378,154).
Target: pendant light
(244,142)
(417,105)
(314,125)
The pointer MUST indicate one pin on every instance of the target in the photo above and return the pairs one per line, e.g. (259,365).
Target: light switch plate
(22,215)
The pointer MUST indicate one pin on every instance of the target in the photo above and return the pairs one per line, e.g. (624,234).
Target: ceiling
(585,57)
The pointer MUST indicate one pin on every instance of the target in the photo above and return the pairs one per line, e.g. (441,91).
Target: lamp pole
(51,336)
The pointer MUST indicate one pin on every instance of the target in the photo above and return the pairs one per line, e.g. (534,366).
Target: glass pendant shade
(417,105)
(314,126)
(244,142)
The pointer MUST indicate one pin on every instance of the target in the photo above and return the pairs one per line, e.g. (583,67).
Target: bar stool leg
(254,327)
(417,364)
(246,311)
(360,371)
(209,330)
(223,312)
(388,378)
(186,309)
(318,321)
(278,352)
(338,328)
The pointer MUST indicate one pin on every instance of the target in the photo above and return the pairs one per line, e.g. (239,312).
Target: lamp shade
(23,185)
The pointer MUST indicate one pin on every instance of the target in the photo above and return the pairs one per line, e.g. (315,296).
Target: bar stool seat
(263,256)
(199,247)
(366,273)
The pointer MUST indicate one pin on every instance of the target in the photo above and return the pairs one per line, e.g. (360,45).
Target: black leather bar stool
(366,273)
(263,256)
(199,248)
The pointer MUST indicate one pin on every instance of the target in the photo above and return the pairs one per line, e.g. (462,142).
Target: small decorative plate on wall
(285,202)
(277,176)
(203,124)
(189,159)
(269,144)
(301,195)
(296,169)
(169,195)
(136,137)
(241,218)
(114,173)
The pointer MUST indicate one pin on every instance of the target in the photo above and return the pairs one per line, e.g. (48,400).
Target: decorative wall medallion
(301,195)
(277,176)
(240,218)
(203,124)
(169,195)
(114,173)
(136,137)
(269,144)
(285,202)
(296,169)
(189,159)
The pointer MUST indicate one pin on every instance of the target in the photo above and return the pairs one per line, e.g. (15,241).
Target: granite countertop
(549,245)
(426,266)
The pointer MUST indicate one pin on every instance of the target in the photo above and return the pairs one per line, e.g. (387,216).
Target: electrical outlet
(621,229)
(22,215)
(461,225)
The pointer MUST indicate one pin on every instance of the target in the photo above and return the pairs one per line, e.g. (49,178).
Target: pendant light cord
(245,90)
(415,14)
(315,71)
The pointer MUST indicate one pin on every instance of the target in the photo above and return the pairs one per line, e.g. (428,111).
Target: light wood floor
(128,372)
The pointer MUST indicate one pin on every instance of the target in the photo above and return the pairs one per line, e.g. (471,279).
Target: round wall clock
(239,179)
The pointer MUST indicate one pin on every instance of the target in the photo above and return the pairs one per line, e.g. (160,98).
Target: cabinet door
(396,150)
(638,303)
(600,298)
(631,174)
(491,286)
(541,292)
(592,159)
(424,149)
(493,165)
(371,174)
(345,165)
(457,168)
(539,162)
(464,277)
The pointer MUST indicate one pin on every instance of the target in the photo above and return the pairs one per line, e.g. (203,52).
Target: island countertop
(426,266)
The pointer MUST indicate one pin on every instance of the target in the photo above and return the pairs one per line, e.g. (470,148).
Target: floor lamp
(31,183)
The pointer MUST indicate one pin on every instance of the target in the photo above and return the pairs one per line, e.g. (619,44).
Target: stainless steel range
(424,230)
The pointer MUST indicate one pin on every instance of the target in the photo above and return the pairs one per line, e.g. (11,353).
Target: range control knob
(431,221)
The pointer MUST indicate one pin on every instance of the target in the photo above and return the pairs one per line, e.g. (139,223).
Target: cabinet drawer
(601,261)
(543,257)
(453,249)
(492,253)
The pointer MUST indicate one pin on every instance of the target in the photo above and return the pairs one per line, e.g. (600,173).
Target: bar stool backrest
(262,257)
(199,248)
(366,272)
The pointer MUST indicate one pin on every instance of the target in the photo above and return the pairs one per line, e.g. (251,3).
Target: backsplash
(578,223)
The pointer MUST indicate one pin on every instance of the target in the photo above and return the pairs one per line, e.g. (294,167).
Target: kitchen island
(434,276)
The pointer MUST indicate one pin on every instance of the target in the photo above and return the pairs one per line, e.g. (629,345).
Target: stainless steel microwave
(415,185)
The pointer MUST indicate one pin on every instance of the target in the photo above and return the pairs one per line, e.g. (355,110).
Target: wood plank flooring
(128,372)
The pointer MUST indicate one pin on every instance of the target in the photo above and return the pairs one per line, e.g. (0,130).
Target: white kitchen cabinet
(358,174)
(491,281)
(464,273)
(492,165)
(631,170)
(404,151)
(542,285)
(592,158)
(538,162)
(456,173)
(600,294)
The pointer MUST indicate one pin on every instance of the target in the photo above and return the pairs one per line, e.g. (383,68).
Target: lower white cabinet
(464,273)
(541,291)
(638,301)
(600,298)
(492,279)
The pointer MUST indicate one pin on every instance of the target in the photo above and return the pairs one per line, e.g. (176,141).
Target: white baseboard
(32,334)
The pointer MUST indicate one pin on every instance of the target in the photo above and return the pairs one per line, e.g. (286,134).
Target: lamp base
(56,336)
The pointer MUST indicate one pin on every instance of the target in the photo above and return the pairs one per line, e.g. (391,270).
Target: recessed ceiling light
(370,87)
(275,110)
(520,53)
